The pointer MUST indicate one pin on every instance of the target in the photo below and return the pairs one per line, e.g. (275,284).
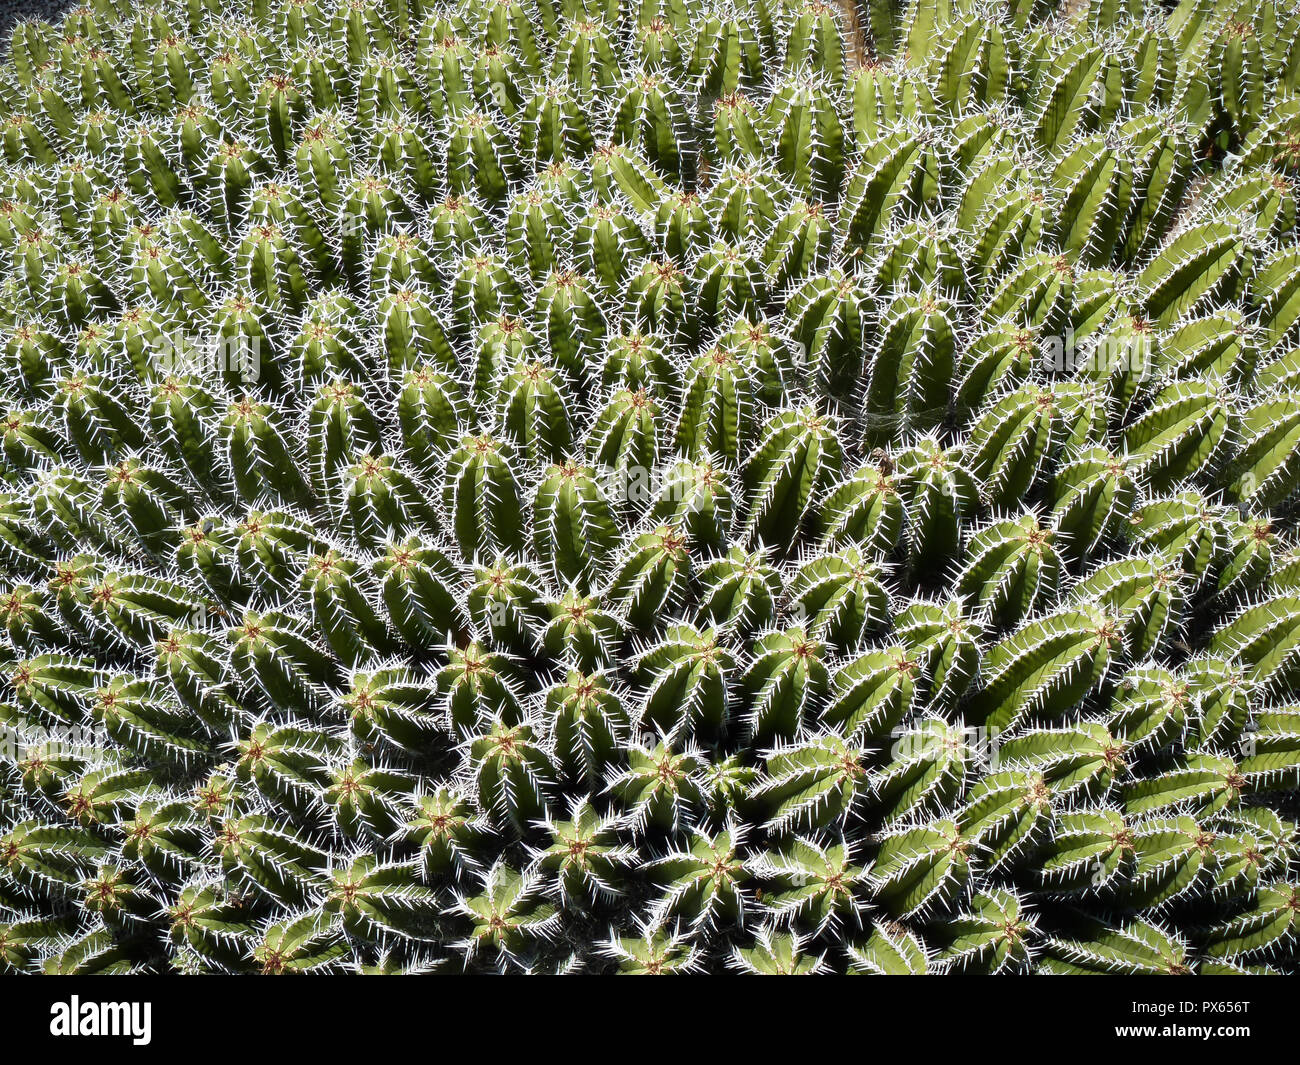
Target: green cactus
(687,485)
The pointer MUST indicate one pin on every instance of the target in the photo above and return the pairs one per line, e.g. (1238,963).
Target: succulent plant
(771,486)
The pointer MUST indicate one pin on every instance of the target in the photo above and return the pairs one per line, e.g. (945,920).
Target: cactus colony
(667,486)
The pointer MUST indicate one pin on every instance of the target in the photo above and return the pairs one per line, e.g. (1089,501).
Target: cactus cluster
(778,486)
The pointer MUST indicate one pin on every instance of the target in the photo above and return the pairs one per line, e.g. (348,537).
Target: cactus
(695,485)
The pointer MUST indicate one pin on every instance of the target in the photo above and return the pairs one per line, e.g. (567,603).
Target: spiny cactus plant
(773,486)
